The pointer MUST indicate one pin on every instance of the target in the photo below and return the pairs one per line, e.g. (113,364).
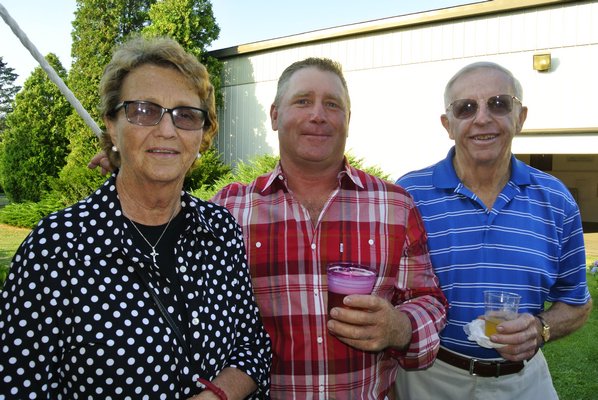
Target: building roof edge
(379,25)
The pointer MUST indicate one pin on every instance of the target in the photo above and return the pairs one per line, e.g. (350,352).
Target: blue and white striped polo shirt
(530,243)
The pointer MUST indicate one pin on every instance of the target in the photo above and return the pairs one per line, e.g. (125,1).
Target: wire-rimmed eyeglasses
(499,106)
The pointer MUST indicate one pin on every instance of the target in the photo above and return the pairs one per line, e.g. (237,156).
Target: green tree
(99,25)
(34,147)
(192,24)
(8,90)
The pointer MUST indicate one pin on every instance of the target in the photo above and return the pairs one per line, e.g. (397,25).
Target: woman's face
(162,153)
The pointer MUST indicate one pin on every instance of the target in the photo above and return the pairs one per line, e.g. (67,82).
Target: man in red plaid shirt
(312,209)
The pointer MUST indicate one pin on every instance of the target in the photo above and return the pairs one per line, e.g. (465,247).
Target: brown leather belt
(477,367)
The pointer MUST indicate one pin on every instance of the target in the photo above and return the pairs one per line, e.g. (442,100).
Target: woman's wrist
(213,388)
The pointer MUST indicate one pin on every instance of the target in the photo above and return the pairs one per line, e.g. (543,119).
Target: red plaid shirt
(374,223)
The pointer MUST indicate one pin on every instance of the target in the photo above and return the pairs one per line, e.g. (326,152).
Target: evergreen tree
(99,25)
(192,24)
(189,22)
(8,90)
(35,146)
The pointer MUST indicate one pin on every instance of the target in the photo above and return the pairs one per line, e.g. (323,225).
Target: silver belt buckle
(475,360)
(472,362)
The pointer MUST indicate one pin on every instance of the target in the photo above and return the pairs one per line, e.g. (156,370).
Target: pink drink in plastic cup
(348,278)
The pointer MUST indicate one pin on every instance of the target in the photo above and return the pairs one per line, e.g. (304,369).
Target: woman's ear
(109,123)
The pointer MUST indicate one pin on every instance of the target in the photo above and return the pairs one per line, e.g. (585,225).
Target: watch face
(546,333)
(545,329)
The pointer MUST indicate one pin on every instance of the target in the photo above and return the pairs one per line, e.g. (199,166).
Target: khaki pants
(443,381)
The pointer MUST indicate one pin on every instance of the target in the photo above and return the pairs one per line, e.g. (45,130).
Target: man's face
(312,120)
(483,138)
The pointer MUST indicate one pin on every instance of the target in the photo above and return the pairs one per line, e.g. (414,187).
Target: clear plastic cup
(345,278)
(499,307)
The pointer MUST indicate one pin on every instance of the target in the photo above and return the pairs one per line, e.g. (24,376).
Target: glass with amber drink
(499,307)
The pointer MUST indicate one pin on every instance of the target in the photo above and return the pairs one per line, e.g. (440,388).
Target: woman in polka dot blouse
(139,291)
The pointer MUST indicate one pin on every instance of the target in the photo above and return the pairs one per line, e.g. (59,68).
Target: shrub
(76,185)
(209,177)
(247,172)
(28,214)
(209,169)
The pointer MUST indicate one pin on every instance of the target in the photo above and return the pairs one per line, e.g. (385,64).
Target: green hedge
(247,172)
(209,177)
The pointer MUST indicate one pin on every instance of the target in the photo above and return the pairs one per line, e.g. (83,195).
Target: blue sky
(47,24)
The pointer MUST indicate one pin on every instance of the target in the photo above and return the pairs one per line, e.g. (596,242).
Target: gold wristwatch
(545,329)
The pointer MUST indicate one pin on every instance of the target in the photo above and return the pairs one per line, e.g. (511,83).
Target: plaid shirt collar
(347,174)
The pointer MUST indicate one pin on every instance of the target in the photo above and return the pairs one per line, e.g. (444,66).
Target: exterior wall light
(542,62)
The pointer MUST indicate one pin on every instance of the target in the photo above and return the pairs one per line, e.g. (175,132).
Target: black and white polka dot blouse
(76,320)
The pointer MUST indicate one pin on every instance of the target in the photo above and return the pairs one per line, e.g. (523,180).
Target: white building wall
(396,81)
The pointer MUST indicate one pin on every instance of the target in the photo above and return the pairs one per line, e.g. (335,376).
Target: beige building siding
(396,69)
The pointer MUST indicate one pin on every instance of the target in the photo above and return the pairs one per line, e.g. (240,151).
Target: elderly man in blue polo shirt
(494,223)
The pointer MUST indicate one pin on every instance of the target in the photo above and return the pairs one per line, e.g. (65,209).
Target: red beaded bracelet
(213,388)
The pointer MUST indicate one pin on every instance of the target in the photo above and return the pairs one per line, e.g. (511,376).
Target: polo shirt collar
(444,175)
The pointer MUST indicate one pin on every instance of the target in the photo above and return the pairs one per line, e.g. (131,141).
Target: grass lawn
(573,360)
(10,239)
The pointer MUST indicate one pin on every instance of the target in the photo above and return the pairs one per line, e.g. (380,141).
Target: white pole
(50,71)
